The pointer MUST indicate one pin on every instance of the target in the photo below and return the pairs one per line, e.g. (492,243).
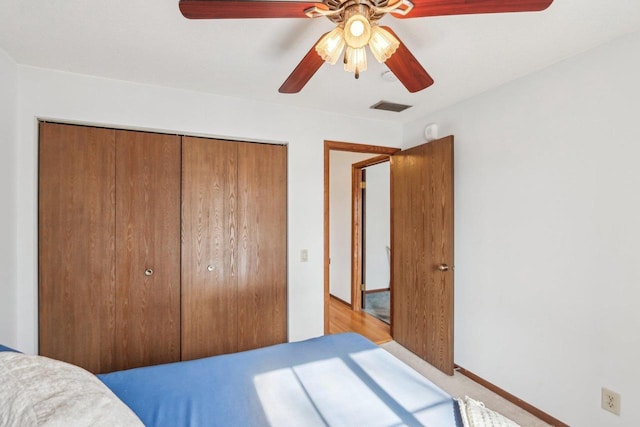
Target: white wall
(71,97)
(340,221)
(547,225)
(8,213)
(378,225)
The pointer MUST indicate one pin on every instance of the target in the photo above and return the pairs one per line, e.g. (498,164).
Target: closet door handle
(148,272)
(443,267)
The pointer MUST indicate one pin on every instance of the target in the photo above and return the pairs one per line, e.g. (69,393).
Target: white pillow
(475,414)
(38,391)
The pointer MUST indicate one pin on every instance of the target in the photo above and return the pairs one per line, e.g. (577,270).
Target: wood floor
(343,319)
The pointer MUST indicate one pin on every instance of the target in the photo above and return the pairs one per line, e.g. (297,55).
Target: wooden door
(147,248)
(209,251)
(262,245)
(422,251)
(76,258)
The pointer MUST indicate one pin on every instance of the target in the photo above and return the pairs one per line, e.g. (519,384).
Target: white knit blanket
(38,391)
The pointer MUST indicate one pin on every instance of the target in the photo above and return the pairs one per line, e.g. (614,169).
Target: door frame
(340,146)
(357,226)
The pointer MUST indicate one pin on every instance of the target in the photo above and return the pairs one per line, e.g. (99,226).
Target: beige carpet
(459,386)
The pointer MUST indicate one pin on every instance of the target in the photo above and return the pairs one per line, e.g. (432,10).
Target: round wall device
(431,132)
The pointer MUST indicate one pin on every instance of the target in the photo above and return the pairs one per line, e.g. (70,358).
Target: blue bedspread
(335,380)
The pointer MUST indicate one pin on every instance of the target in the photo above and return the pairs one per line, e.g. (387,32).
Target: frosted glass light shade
(330,46)
(355,60)
(357,31)
(382,44)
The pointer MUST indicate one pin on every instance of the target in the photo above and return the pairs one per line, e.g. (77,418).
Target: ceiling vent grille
(390,106)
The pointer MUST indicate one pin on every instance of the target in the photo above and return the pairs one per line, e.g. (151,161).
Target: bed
(334,380)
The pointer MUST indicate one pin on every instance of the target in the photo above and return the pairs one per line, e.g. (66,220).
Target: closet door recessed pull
(210,267)
(148,272)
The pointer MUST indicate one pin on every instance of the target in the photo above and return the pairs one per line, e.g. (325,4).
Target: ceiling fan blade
(303,72)
(464,7)
(407,69)
(240,9)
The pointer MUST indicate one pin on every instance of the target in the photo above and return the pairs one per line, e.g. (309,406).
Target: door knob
(148,272)
(443,267)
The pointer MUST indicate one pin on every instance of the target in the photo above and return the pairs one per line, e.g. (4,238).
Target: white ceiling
(149,41)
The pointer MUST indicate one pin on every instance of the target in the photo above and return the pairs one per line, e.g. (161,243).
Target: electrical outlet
(610,401)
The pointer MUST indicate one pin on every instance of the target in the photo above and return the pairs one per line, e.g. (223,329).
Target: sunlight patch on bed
(409,389)
(284,400)
(325,392)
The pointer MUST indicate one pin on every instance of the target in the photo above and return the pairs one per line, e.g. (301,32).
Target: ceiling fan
(357,26)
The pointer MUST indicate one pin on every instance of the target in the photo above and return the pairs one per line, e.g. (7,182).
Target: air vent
(390,106)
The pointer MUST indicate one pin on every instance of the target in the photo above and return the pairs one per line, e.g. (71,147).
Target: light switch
(304,255)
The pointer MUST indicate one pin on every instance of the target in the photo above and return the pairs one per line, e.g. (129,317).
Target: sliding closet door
(262,245)
(209,253)
(76,225)
(147,248)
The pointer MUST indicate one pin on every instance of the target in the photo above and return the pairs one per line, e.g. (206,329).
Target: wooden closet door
(76,227)
(209,254)
(147,248)
(262,245)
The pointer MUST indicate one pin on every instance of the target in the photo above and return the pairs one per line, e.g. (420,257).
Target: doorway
(348,306)
(371,224)
(421,247)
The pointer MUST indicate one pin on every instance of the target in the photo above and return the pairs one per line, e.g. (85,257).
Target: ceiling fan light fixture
(382,44)
(330,46)
(355,60)
(357,31)
(357,19)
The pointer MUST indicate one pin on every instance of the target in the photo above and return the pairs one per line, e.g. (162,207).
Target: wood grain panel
(147,237)
(462,7)
(409,317)
(76,221)
(422,240)
(442,248)
(244,9)
(357,237)
(209,227)
(262,245)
